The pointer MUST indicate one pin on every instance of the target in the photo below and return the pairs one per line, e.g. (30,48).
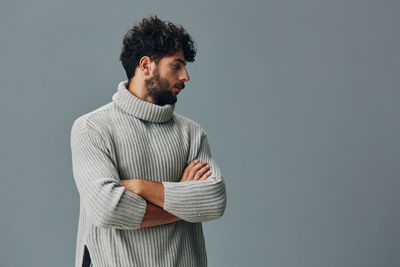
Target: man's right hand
(196,170)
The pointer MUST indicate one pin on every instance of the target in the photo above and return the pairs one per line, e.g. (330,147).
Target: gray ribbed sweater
(132,138)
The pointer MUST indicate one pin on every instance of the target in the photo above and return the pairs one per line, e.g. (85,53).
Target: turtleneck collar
(140,108)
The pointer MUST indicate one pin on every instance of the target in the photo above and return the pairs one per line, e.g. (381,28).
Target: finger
(205,176)
(195,168)
(187,169)
(201,172)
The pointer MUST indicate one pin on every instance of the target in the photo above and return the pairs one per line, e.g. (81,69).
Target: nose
(184,75)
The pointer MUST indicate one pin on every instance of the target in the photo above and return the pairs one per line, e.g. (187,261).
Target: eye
(176,66)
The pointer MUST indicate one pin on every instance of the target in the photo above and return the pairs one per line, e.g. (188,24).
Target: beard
(158,89)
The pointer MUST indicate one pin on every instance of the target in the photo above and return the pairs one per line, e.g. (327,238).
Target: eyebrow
(180,60)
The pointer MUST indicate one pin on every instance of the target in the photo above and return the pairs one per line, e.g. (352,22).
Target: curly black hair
(154,38)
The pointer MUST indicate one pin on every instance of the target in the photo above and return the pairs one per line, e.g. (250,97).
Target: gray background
(300,100)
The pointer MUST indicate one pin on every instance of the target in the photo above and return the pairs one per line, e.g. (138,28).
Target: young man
(144,173)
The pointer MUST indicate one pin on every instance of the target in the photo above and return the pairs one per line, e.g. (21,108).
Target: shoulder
(191,125)
(94,121)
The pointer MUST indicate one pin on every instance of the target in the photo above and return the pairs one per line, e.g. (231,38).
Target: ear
(146,66)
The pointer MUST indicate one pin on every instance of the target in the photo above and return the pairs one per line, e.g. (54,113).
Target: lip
(178,89)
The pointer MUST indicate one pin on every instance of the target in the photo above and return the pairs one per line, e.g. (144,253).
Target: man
(144,173)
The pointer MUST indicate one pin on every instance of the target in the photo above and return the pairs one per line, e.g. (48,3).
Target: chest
(150,151)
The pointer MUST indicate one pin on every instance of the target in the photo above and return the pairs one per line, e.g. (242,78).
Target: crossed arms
(131,204)
(153,192)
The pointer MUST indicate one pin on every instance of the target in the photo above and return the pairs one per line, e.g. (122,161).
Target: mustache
(181,85)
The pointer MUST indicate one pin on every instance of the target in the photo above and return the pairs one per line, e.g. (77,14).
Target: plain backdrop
(299,98)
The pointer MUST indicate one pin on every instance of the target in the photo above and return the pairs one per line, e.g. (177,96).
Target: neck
(138,88)
(140,108)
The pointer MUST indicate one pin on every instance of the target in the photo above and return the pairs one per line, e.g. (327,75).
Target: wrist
(137,186)
(132,185)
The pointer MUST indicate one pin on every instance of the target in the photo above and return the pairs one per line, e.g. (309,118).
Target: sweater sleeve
(107,203)
(198,201)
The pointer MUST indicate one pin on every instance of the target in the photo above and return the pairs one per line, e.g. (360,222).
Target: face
(168,79)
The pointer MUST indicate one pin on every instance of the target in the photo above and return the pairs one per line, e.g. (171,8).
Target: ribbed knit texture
(132,138)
